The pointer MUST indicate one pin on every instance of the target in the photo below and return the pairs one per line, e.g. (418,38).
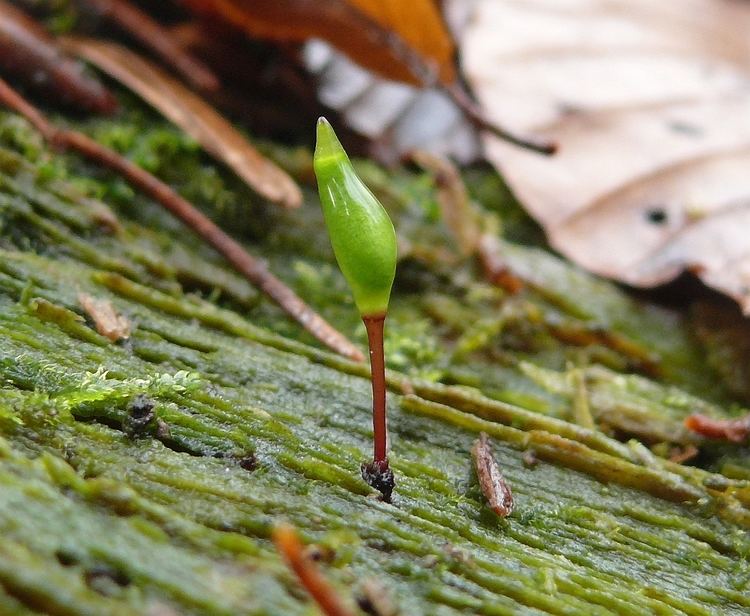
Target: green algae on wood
(176,515)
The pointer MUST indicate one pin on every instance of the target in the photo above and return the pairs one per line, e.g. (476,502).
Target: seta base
(378,475)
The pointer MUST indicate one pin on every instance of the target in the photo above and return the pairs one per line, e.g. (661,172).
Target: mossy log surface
(254,424)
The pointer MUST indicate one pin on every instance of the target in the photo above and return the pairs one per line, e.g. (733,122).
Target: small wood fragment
(140,415)
(495,267)
(291,548)
(529,459)
(732,430)
(680,455)
(30,54)
(253,270)
(107,321)
(248,462)
(374,599)
(494,487)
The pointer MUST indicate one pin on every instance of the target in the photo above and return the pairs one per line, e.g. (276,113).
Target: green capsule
(362,234)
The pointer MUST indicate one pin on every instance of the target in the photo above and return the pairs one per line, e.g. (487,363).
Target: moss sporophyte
(364,243)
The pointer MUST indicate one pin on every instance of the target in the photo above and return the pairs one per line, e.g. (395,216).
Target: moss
(120,523)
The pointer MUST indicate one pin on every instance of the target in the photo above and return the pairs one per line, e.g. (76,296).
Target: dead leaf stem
(158,39)
(477,117)
(254,270)
(427,73)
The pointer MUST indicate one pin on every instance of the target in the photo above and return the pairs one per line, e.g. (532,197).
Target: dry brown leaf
(360,28)
(107,321)
(419,24)
(193,115)
(650,104)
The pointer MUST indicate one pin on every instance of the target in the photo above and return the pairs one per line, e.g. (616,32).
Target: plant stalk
(374,325)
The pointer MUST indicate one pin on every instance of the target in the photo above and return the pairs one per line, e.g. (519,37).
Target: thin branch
(288,544)
(158,39)
(252,269)
(13,100)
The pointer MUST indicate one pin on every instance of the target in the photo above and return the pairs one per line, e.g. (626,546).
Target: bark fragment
(107,321)
(494,487)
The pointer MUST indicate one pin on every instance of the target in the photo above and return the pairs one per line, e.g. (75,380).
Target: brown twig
(158,39)
(252,269)
(491,480)
(288,544)
(28,53)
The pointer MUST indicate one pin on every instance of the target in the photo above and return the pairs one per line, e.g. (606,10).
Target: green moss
(122,523)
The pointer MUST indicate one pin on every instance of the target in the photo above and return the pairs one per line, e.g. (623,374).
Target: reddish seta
(378,473)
